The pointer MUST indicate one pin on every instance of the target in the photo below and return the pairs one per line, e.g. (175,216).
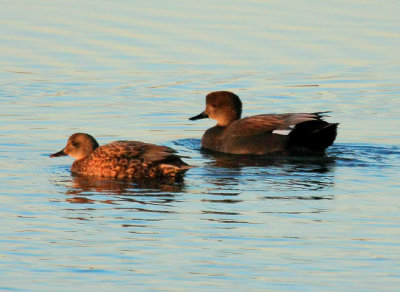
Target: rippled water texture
(137,70)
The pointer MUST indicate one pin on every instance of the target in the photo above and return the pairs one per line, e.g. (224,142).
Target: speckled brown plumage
(122,159)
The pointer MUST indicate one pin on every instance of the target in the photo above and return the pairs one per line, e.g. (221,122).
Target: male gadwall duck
(262,134)
(122,159)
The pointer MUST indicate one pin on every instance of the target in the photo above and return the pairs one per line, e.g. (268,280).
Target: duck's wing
(145,152)
(281,124)
(157,154)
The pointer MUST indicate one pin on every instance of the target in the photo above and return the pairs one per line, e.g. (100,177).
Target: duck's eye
(214,105)
(75,144)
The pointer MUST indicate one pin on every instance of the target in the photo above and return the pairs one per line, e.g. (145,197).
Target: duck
(264,133)
(122,159)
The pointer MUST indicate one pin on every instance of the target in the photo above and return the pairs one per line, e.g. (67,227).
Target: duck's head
(79,146)
(222,106)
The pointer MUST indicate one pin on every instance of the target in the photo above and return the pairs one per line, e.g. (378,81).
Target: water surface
(138,70)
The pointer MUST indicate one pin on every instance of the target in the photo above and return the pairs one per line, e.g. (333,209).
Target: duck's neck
(226,120)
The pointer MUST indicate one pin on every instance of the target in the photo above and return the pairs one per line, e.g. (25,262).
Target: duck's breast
(212,139)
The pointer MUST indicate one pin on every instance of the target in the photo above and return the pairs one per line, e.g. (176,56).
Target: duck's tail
(314,135)
(172,172)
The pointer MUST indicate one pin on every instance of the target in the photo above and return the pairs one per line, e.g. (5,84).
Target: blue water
(139,70)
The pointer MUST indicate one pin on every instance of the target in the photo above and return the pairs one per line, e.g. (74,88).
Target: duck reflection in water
(145,191)
(272,172)
(317,162)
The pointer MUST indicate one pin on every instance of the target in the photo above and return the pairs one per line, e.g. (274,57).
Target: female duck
(122,159)
(261,134)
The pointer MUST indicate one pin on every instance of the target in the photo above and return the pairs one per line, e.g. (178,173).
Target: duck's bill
(58,154)
(203,115)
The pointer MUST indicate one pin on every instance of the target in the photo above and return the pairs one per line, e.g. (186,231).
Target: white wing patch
(281,132)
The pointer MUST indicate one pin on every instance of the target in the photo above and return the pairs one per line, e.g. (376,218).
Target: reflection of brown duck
(93,189)
(82,184)
(261,134)
(122,159)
